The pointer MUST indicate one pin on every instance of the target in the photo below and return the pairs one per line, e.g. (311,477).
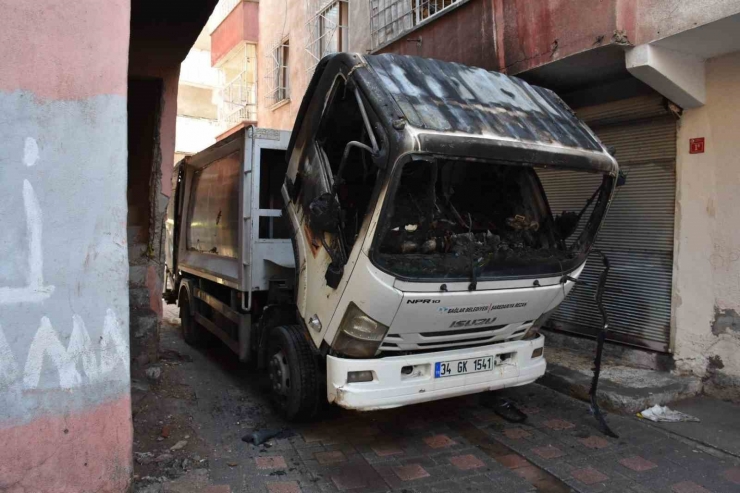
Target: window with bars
(279,77)
(389,19)
(327,28)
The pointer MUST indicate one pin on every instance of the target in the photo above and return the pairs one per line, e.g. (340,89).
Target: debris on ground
(144,457)
(154,373)
(179,445)
(659,413)
(172,355)
(506,409)
(261,436)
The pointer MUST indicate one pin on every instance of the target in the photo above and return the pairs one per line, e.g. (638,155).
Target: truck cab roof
(455,109)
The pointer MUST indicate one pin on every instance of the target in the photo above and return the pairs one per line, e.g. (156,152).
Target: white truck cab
(425,253)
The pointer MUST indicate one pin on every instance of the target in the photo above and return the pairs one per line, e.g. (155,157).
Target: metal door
(637,235)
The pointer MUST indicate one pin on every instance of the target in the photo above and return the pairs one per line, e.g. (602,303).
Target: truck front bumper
(392,387)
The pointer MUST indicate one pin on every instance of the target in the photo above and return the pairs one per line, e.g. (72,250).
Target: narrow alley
(190,417)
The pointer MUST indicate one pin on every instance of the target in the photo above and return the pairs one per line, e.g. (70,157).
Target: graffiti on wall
(84,360)
(35,290)
(98,360)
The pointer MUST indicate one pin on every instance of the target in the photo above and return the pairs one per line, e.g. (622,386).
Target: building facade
(198,100)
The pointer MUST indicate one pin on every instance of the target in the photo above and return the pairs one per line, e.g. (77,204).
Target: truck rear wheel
(294,373)
(193,333)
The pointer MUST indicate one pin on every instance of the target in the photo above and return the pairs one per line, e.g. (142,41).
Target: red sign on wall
(696,146)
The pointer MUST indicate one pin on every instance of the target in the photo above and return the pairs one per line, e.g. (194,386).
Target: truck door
(326,258)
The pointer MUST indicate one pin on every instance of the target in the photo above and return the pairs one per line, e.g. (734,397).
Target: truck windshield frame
(428,251)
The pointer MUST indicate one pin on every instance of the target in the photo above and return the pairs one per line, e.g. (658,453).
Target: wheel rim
(280,374)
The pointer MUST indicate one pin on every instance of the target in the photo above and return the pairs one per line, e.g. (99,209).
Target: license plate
(462,366)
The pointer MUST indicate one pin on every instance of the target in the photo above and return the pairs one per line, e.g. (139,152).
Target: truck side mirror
(325,214)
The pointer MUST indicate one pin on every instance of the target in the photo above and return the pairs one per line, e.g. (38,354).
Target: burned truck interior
(460,219)
(347,146)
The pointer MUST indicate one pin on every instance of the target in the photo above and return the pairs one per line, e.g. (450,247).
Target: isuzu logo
(472,323)
(427,300)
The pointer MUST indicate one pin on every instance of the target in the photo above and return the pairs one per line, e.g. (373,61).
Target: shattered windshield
(453,219)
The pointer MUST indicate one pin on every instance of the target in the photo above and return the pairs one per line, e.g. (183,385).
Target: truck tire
(294,373)
(193,333)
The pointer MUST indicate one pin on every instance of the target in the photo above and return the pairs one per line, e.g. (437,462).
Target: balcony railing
(239,101)
(389,19)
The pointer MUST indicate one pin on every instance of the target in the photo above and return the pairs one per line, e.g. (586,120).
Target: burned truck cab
(427,250)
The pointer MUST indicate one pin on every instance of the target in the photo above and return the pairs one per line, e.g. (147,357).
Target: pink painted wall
(65,414)
(77,31)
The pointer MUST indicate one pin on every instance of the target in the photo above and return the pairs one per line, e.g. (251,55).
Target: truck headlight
(535,328)
(359,335)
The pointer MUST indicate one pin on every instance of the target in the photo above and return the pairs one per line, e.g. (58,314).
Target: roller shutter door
(637,235)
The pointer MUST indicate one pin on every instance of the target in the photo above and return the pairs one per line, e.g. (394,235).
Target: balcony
(238,101)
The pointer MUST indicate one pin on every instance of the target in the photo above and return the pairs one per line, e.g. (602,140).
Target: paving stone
(313,436)
(385,450)
(558,424)
(332,457)
(467,462)
(270,462)
(348,481)
(439,441)
(512,461)
(219,488)
(589,475)
(637,463)
(507,482)
(732,475)
(516,433)
(594,442)
(548,452)
(410,472)
(284,487)
(688,487)
(532,474)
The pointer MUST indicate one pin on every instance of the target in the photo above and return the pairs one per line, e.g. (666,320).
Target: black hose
(599,298)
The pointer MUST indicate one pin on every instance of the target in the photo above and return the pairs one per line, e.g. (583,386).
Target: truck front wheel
(294,373)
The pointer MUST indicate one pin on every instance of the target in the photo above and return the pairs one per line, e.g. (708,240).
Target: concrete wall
(657,19)
(707,260)
(359,26)
(279,19)
(464,35)
(65,416)
(196,102)
(162,33)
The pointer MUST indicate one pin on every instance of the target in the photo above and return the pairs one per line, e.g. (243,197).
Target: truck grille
(453,338)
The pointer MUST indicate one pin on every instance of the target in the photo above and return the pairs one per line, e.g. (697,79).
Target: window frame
(279,78)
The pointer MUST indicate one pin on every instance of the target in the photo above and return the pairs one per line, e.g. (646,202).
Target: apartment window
(389,19)
(279,78)
(327,29)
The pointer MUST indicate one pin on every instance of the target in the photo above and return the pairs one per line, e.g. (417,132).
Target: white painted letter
(46,342)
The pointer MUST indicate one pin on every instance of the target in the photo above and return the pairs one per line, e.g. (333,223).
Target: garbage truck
(404,243)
